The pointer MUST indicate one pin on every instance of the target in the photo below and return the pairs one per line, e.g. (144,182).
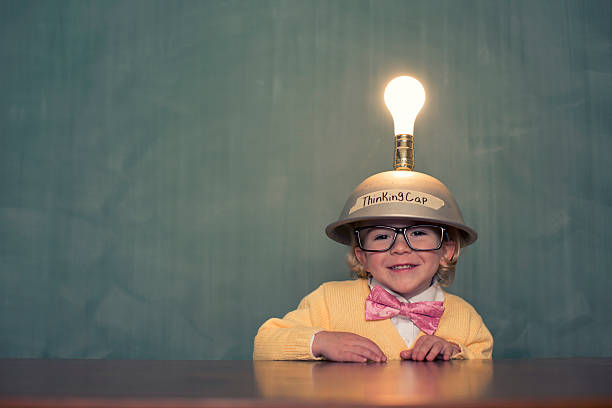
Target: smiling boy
(402,254)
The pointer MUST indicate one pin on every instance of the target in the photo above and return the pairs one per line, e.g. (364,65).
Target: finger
(374,352)
(349,357)
(368,353)
(406,354)
(455,349)
(446,352)
(434,351)
(420,351)
(425,344)
(414,355)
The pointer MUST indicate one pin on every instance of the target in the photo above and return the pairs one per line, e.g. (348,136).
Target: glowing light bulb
(404,97)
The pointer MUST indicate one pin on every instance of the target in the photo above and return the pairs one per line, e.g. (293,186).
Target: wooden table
(132,383)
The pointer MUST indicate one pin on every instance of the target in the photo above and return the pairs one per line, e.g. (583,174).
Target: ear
(361,256)
(449,249)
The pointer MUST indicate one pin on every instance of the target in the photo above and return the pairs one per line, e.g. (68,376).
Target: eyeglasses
(380,238)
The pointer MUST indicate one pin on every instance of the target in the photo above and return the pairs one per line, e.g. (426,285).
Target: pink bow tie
(380,305)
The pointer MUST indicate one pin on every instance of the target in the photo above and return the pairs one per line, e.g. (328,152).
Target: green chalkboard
(167,168)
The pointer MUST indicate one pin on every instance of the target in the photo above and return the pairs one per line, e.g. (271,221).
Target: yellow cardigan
(340,306)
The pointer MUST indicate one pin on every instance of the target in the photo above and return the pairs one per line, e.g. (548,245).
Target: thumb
(406,354)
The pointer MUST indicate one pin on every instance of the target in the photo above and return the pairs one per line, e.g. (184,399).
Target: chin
(403,289)
(411,289)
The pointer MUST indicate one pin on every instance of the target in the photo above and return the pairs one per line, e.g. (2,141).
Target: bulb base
(404,152)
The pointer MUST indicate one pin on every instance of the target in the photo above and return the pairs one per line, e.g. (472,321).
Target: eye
(374,234)
(421,232)
(382,236)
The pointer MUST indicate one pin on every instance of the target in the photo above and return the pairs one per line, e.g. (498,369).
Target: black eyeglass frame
(396,231)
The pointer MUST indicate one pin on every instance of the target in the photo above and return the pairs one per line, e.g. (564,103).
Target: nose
(400,245)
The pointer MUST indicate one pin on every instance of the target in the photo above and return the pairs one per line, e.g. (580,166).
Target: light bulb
(404,97)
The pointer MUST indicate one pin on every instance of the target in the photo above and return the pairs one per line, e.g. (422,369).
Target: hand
(429,348)
(347,347)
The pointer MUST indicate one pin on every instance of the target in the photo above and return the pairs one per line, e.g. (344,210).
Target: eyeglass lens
(382,238)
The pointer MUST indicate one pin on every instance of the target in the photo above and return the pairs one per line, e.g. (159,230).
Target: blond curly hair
(446,270)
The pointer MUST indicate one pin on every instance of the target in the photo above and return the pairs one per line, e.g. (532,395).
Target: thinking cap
(401,193)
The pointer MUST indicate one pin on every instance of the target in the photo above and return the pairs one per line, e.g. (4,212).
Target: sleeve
(290,338)
(478,343)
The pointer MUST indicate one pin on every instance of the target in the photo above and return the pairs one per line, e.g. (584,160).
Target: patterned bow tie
(380,305)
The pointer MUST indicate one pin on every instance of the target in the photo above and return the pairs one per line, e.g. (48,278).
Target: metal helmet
(400,194)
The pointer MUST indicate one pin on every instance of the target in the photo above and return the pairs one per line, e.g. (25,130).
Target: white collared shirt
(407,330)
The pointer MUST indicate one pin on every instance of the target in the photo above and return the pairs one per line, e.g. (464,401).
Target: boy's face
(402,269)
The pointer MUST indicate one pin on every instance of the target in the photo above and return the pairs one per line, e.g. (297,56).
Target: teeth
(402,267)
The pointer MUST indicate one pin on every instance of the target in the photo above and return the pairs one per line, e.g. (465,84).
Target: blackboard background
(167,168)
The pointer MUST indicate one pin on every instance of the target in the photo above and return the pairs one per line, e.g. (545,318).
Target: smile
(402,267)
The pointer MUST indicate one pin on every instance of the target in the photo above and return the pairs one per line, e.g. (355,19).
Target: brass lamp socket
(404,152)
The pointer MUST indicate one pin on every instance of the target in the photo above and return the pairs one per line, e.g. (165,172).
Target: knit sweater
(340,306)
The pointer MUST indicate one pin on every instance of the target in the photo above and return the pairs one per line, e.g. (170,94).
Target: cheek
(370,260)
(433,260)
